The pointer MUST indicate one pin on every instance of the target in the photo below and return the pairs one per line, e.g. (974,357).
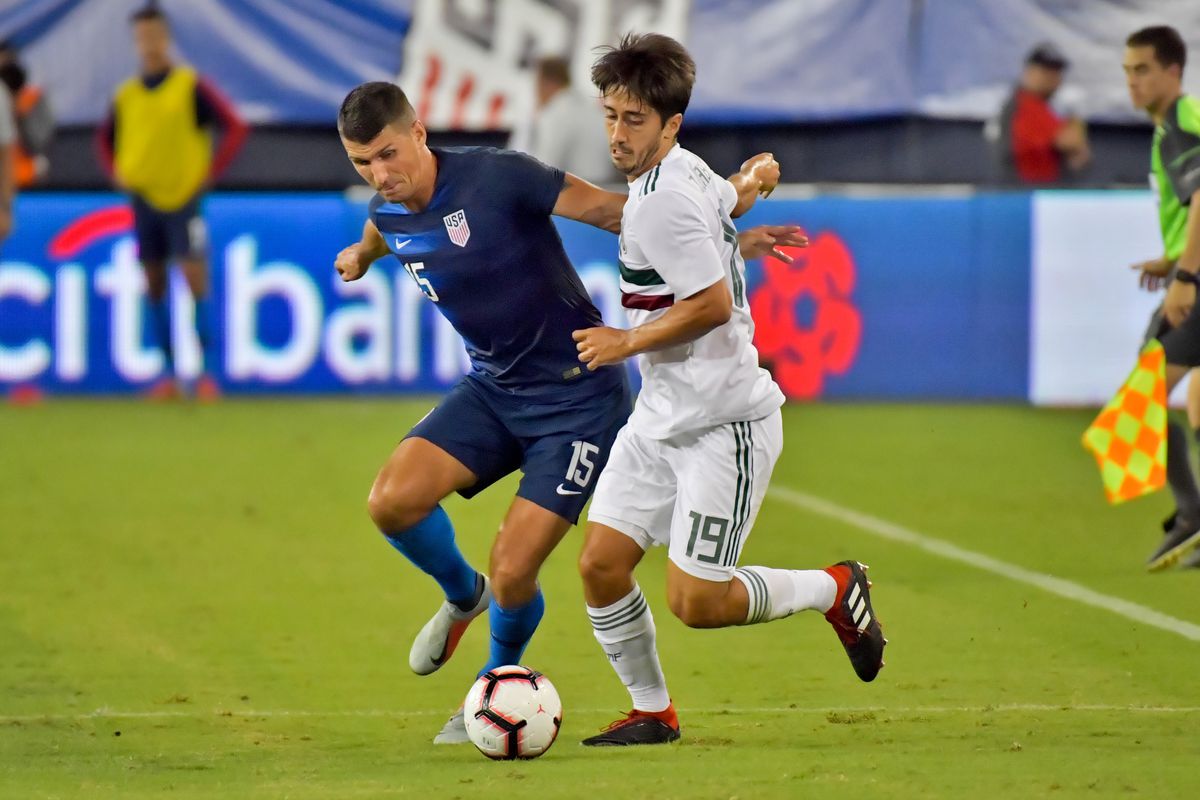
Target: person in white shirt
(691,467)
(565,129)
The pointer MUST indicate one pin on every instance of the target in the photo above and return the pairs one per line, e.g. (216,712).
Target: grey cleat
(1180,541)
(438,639)
(454,731)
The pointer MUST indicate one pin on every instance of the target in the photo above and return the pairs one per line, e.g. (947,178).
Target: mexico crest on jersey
(456,226)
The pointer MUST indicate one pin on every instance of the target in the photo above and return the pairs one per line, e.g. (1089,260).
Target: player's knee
(512,584)
(396,504)
(597,571)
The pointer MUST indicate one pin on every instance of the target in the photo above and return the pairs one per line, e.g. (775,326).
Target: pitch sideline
(104,713)
(1048,583)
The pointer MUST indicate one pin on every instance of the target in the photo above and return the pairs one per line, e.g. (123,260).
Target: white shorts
(698,492)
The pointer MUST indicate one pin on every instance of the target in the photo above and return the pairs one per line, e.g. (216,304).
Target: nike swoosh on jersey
(563,491)
(400,245)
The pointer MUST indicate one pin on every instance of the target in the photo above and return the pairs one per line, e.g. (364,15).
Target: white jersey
(677,238)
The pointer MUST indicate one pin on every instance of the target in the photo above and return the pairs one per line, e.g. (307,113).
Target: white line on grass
(105,713)
(1059,586)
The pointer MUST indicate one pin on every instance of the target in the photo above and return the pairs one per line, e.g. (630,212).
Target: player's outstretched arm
(1181,295)
(586,202)
(686,321)
(758,175)
(354,261)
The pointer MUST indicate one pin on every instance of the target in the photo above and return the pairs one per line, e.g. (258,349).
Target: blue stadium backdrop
(896,298)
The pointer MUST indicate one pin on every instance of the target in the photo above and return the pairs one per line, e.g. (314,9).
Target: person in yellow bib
(157,145)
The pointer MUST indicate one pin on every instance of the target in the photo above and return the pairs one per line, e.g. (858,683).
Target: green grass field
(193,603)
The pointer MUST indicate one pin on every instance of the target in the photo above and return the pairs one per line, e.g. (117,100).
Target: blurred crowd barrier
(954,296)
(467,65)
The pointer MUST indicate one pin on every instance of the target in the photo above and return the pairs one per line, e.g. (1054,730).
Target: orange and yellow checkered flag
(1129,437)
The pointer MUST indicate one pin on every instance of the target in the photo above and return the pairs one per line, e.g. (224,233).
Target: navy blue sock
(512,628)
(430,546)
(160,315)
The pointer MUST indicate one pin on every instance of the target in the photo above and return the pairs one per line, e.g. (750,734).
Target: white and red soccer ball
(512,712)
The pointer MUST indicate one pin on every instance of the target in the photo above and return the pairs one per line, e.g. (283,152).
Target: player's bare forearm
(684,322)
(372,246)
(588,203)
(747,192)
(354,261)
(758,175)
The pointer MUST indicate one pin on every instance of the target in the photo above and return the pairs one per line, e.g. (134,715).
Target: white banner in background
(1088,315)
(467,62)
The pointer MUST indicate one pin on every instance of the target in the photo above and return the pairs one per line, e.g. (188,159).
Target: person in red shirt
(1036,143)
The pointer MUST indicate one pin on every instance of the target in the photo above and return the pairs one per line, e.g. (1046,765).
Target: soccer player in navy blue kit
(472,227)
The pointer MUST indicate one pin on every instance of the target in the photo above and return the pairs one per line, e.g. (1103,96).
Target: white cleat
(454,731)
(437,640)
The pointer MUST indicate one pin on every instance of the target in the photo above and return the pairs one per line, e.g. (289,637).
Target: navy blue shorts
(164,235)
(559,443)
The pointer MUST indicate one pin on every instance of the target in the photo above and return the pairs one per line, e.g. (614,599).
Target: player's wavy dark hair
(650,67)
(371,107)
(1169,48)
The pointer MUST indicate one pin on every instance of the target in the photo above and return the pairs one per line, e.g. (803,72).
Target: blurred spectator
(157,145)
(8,138)
(1035,143)
(567,127)
(33,117)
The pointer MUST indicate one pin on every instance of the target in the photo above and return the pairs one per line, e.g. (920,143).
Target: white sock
(626,632)
(778,593)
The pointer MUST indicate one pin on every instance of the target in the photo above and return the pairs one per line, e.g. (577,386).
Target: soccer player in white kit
(691,467)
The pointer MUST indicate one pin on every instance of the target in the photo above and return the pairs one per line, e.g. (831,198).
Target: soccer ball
(512,712)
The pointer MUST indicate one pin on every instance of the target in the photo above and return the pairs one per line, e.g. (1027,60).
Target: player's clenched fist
(349,263)
(599,347)
(764,169)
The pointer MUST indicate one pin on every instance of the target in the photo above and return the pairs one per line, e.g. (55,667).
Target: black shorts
(164,235)
(1182,344)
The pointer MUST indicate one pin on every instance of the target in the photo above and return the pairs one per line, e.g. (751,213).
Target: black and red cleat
(854,620)
(639,727)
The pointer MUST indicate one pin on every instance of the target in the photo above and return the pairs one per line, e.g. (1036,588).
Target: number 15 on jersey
(414,268)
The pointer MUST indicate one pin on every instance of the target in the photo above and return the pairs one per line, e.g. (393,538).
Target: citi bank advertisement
(896,298)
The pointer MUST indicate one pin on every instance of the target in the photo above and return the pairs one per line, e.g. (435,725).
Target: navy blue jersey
(487,253)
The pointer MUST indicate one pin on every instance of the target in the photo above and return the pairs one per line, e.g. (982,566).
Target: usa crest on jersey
(456,226)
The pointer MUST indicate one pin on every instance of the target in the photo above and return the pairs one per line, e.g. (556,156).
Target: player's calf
(700,603)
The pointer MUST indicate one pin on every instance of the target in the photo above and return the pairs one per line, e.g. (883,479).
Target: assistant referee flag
(1129,437)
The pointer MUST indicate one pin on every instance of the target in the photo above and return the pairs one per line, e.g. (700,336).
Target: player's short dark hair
(554,68)
(371,107)
(650,67)
(1168,45)
(148,13)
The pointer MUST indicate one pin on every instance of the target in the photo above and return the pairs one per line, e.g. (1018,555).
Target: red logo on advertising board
(82,232)
(806,323)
